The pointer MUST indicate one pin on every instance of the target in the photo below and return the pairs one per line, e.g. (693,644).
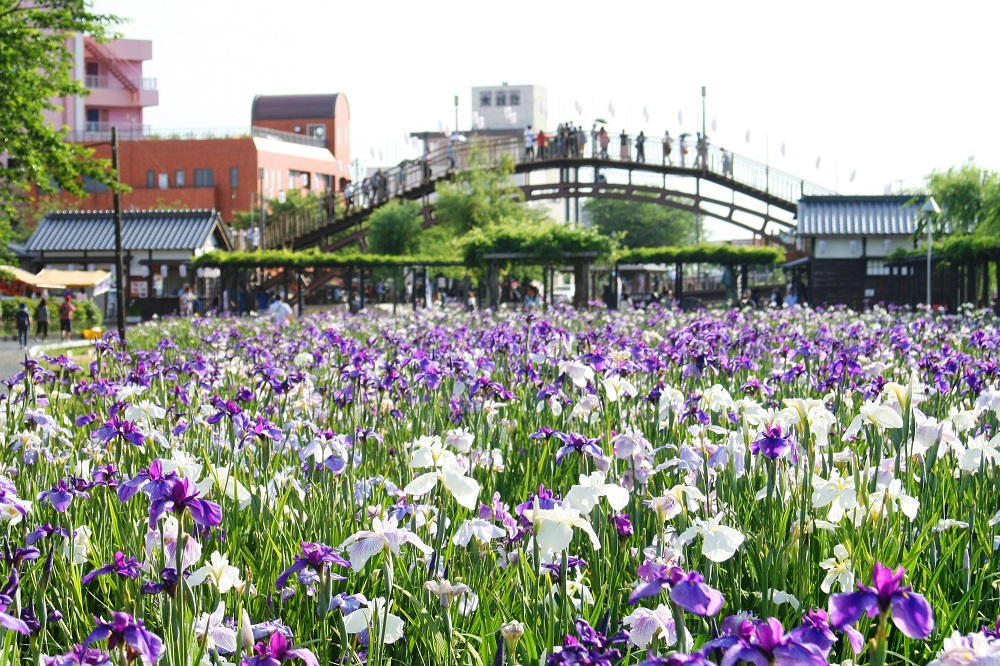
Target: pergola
(296,263)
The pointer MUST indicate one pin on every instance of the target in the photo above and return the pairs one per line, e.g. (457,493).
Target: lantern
(164,270)
(183,270)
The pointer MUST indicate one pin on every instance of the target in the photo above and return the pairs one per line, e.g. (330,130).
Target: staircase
(122,70)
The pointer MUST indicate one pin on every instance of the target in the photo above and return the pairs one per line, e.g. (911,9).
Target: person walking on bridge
(542,143)
(623,146)
(702,151)
(604,140)
(640,147)
(529,143)
(668,144)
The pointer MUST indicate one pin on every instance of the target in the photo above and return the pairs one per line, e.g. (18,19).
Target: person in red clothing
(66,311)
(543,144)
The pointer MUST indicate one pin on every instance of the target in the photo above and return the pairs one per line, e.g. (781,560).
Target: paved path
(12,356)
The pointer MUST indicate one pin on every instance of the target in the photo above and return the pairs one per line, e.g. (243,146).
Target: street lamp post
(120,293)
(931,208)
(704,124)
(456,114)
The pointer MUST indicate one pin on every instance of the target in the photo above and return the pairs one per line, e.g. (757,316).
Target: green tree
(483,195)
(641,224)
(36,66)
(395,228)
(969,197)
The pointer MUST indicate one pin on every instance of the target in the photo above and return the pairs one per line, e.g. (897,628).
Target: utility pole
(704,124)
(456,114)
(119,286)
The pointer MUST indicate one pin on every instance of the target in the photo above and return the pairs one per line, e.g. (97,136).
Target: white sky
(889,90)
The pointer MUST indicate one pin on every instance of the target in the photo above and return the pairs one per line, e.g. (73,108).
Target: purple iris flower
(60,495)
(79,656)
(116,427)
(579,443)
(591,648)
(123,629)
(232,411)
(45,531)
(654,576)
(19,556)
(184,495)
(911,613)
(766,644)
(127,567)
(555,568)
(815,629)
(773,443)
(315,556)
(277,650)
(623,525)
(692,594)
(7,594)
(167,583)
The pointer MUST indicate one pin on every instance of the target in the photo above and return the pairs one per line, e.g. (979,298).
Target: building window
(485,98)
(317,130)
(164,181)
(93,120)
(91,186)
(291,180)
(203,178)
(179,179)
(150,179)
(234,177)
(854,247)
(515,98)
(821,248)
(501,98)
(877,267)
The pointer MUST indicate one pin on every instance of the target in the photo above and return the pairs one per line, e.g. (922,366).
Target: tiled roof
(94,230)
(857,215)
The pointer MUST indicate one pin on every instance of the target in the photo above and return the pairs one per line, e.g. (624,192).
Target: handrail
(413,176)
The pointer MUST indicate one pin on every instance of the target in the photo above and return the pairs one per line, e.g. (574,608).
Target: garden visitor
(42,320)
(623,146)
(22,320)
(668,144)
(604,140)
(702,146)
(542,143)
(529,143)
(640,147)
(727,164)
(684,148)
(281,313)
(187,299)
(66,310)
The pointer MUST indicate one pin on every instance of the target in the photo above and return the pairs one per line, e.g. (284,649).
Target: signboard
(139,289)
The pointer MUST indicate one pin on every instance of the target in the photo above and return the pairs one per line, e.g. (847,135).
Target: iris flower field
(442,487)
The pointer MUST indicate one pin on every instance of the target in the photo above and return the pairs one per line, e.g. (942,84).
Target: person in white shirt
(529,143)
(281,313)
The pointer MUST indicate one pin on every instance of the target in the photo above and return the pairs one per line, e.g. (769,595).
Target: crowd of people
(569,141)
(23,319)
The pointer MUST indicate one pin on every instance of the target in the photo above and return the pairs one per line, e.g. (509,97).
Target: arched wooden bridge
(728,187)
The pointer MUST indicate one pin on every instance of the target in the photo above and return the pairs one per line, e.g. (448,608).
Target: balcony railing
(133,132)
(96,81)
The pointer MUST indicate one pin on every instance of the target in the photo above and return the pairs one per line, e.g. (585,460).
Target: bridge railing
(412,175)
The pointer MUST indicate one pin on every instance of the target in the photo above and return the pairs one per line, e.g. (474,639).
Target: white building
(506,107)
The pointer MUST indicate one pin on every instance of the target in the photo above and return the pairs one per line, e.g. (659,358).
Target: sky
(862,95)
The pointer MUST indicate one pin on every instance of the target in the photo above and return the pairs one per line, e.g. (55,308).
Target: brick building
(295,142)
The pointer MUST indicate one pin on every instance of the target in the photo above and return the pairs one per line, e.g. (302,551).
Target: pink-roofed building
(119,92)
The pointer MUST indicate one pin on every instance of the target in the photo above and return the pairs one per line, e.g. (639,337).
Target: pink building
(112,72)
